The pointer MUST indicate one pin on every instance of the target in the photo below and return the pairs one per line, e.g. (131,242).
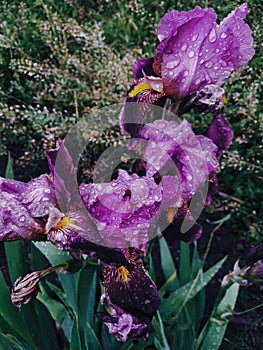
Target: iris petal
(195,51)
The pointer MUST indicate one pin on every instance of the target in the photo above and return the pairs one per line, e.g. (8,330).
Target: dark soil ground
(244,333)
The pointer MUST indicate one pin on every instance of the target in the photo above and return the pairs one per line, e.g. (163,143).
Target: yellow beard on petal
(171,214)
(123,274)
(66,223)
(139,88)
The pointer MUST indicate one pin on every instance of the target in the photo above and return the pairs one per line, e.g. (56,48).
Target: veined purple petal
(124,209)
(174,232)
(221,133)
(199,52)
(39,196)
(141,66)
(209,99)
(172,20)
(210,151)
(131,299)
(175,147)
(123,326)
(64,175)
(21,208)
(237,35)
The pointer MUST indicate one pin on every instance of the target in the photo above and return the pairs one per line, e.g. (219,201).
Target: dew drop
(191,54)
(208,64)
(212,36)
(197,81)
(184,47)
(186,73)
(194,37)
(217,50)
(173,63)
(189,177)
(22,218)
(223,35)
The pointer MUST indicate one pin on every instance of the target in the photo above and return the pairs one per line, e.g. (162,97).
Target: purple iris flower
(194,57)
(192,159)
(37,211)
(50,208)
(131,299)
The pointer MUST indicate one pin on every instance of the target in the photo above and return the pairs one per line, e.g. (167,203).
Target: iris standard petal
(197,52)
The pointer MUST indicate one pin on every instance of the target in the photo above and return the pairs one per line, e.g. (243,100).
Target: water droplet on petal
(194,37)
(223,35)
(184,47)
(186,73)
(22,218)
(189,177)
(173,63)
(191,54)
(217,50)
(208,64)
(197,81)
(212,36)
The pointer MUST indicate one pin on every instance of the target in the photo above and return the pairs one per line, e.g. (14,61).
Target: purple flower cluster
(114,221)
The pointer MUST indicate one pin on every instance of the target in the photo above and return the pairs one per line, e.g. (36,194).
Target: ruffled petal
(64,175)
(174,147)
(124,209)
(172,20)
(200,52)
(24,207)
(183,227)
(221,133)
(141,66)
(131,299)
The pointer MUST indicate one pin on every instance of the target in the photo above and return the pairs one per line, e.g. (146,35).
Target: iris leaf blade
(172,306)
